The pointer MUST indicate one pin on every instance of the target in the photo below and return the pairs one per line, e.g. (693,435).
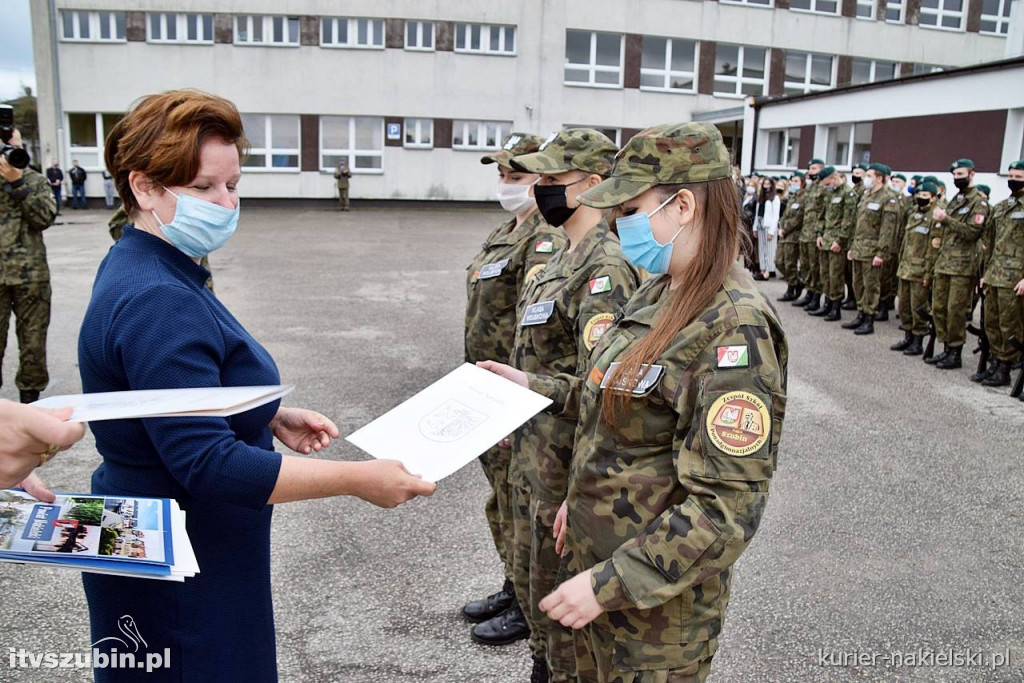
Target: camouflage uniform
(342,174)
(956,265)
(1004,268)
(661,505)
(496,277)
(27,208)
(563,312)
(813,218)
(840,217)
(889,282)
(916,263)
(120,219)
(874,235)
(789,241)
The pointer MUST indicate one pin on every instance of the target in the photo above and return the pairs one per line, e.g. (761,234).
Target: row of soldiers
(883,239)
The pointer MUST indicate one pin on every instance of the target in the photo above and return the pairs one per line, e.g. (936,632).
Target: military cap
(900,176)
(961,163)
(814,161)
(985,188)
(571,149)
(1017,165)
(928,186)
(880,168)
(916,178)
(513,145)
(669,154)
(798,174)
(934,180)
(826,172)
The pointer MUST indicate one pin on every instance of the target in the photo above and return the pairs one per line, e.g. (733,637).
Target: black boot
(952,361)
(29,396)
(916,347)
(935,360)
(823,310)
(788,296)
(491,606)
(855,323)
(805,299)
(836,313)
(813,303)
(883,312)
(908,338)
(1000,377)
(866,327)
(540,671)
(982,375)
(507,627)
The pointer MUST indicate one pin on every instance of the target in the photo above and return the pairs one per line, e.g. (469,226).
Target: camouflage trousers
(1004,318)
(535,571)
(343,202)
(498,508)
(951,300)
(600,658)
(786,262)
(866,286)
(836,288)
(30,304)
(812,270)
(914,305)
(889,282)
(824,270)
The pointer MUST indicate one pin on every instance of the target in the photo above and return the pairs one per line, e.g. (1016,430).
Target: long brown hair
(722,241)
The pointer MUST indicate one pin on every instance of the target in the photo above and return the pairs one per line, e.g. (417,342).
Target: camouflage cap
(513,145)
(961,163)
(669,154)
(571,149)
(1017,165)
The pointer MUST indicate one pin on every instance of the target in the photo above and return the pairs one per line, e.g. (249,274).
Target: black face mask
(922,203)
(1015,185)
(779,190)
(812,176)
(962,183)
(857,179)
(551,203)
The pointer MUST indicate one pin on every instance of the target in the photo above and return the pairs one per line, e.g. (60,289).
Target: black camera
(16,157)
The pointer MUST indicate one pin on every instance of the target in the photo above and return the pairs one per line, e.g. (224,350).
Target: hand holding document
(450,423)
(203,402)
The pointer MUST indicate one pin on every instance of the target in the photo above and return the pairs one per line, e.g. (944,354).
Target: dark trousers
(77,195)
(56,196)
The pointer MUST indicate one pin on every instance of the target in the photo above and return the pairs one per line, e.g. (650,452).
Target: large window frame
(810,61)
(670,75)
(159,25)
(261,30)
(418,134)
(490,39)
(101,125)
(783,148)
(873,67)
(848,144)
(593,68)
(895,11)
(739,80)
(361,33)
(766,4)
(866,10)
(272,153)
(88,26)
(361,160)
(943,17)
(487,134)
(819,7)
(420,36)
(997,24)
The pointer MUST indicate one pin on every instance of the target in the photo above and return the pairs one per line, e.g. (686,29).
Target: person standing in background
(55,178)
(108,189)
(766,225)
(78,176)
(342,174)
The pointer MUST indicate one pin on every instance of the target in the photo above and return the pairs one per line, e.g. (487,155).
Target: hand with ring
(29,438)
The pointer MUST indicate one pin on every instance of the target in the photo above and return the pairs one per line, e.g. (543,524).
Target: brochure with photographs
(142,537)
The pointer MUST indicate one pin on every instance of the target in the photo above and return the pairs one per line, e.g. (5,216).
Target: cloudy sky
(16,64)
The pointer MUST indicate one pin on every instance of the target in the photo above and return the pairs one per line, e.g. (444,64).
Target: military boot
(1000,377)
(982,375)
(813,303)
(805,299)
(908,338)
(506,628)
(491,606)
(883,312)
(850,304)
(29,396)
(788,296)
(916,347)
(866,327)
(855,323)
(836,313)
(935,360)
(952,361)
(823,310)
(540,672)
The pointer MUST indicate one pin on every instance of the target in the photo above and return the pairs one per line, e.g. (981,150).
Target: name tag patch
(796,205)
(602,284)
(538,313)
(544,247)
(493,269)
(647,379)
(964,210)
(874,206)
(922,230)
(733,356)
(1017,214)
(836,200)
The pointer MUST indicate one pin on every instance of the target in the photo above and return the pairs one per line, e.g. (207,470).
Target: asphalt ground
(894,524)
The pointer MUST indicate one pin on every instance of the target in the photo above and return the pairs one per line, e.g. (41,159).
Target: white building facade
(411,93)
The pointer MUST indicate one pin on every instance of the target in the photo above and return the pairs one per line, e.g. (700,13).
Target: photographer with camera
(26,209)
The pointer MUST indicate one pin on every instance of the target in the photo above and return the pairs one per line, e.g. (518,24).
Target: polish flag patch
(733,357)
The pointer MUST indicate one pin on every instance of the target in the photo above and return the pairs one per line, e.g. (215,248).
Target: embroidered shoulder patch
(544,247)
(602,284)
(738,423)
(733,356)
(979,218)
(595,329)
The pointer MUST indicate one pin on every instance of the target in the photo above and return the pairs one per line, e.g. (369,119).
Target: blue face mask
(639,245)
(199,227)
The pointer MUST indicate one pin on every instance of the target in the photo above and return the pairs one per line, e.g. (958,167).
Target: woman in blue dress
(152,324)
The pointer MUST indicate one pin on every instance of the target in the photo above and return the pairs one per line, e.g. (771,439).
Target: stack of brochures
(122,536)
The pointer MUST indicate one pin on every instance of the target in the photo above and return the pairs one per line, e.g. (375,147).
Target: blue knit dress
(152,324)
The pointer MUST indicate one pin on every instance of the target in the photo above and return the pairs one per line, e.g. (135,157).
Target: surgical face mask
(551,201)
(869,182)
(639,245)
(750,190)
(795,187)
(515,198)
(199,227)
(812,176)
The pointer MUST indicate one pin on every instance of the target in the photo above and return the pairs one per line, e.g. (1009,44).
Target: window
(485,39)
(482,135)
(942,14)
(870,71)
(848,144)
(274,139)
(169,27)
(866,9)
(86,133)
(254,29)
(419,35)
(593,59)
(816,6)
(668,64)
(784,147)
(894,11)
(92,26)
(995,17)
(419,133)
(755,3)
(612,134)
(358,140)
(739,70)
(808,72)
(926,69)
(353,33)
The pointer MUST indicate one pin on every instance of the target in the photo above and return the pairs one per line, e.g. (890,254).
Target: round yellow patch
(739,423)
(595,329)
(533,271)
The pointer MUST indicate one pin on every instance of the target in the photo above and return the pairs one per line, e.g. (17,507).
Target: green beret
(916,178)
(826,172)
(880,168)
(814,161)
(961,163)
(801,174)
(862,167)
(928,186)
(900,176)
(1017,165)
(985,188)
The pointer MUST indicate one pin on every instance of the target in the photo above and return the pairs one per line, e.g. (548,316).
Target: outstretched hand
(303,431)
